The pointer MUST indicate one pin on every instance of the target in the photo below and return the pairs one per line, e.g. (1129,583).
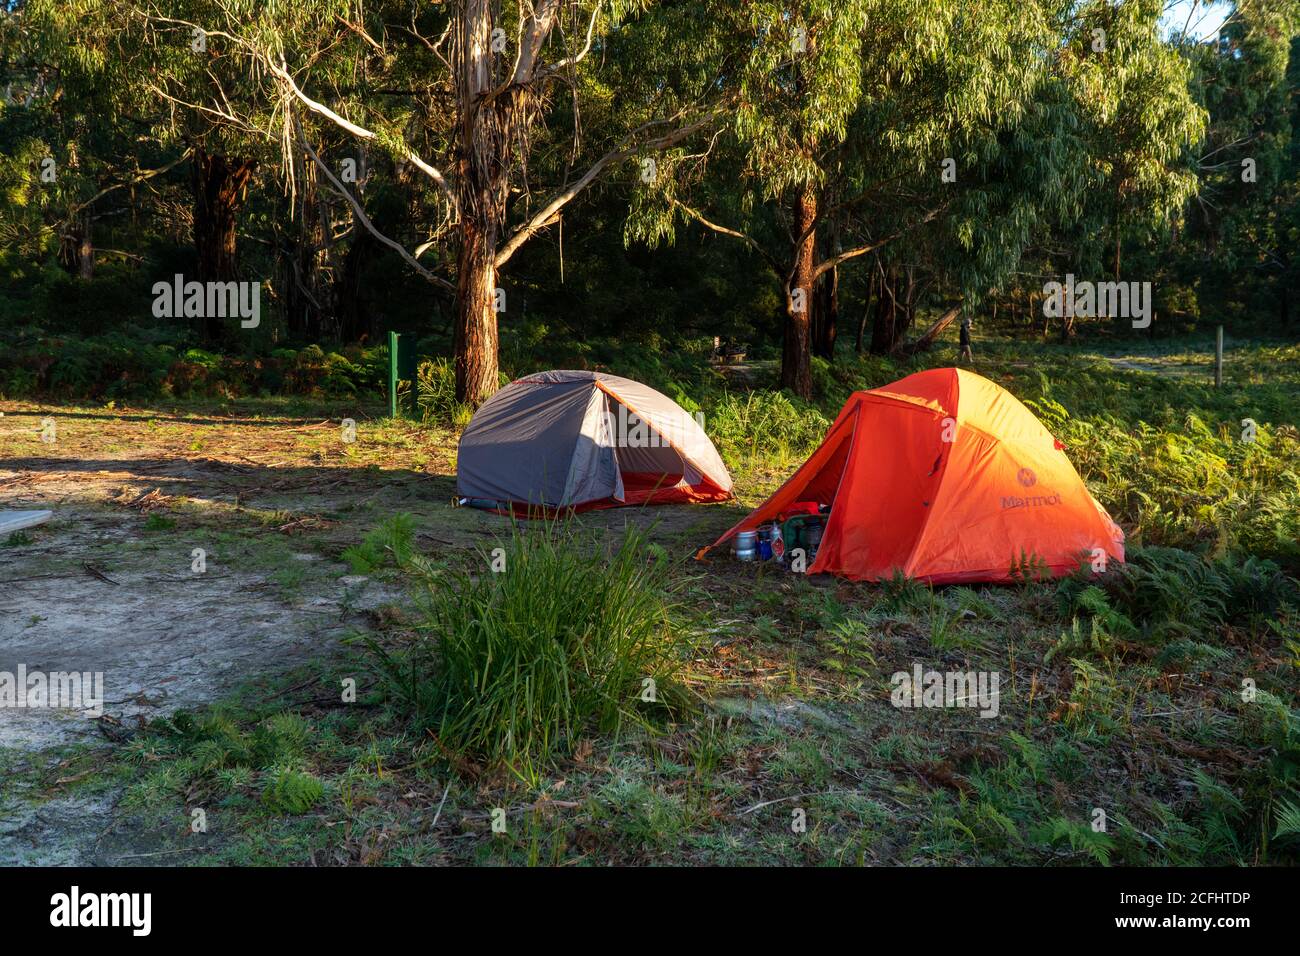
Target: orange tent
(948,478)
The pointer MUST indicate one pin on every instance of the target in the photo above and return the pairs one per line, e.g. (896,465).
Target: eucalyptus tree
(854,116)
(463,93)
(1243,228)
(1101,150)
(1132,110)
(1134,94)
(72,147)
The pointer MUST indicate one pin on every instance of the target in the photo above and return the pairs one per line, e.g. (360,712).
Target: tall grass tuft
(516,665)
(764,424)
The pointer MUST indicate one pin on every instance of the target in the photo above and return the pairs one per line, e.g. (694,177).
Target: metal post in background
(1218,358)
(392,374)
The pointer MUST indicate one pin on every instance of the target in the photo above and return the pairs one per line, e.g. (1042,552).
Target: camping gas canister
(746,546)
(813,538)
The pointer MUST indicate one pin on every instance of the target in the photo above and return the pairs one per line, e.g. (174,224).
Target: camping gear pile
(792,539)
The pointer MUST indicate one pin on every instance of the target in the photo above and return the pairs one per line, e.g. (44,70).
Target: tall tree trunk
(220,185)
(77,249)
(474,342)
(306,304)
(796,358)
(1067,316)
(866,311)
(826,317)
(928,338)
(907,314)
(884,333)
(355,320)
(826,311)
(483,161)
(86,250)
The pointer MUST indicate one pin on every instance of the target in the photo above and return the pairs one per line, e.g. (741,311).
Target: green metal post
(392,374)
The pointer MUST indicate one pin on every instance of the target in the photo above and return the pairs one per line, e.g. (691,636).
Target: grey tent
(569,439)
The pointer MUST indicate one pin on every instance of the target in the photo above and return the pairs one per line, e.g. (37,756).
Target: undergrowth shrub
(435,389)
(291,791)
(1169,593)
(763,424)
(514,666)
(216,750)
(139,364)
(1185,479)
(392,540)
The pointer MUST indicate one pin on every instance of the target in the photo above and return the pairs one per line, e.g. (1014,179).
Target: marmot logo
(1026,477)
(1034,502)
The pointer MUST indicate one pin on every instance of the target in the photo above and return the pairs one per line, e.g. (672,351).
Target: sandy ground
(161,641)
(85,596)
(109,585)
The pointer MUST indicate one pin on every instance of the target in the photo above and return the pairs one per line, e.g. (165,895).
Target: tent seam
(943,473)
(853,441)
(685,458)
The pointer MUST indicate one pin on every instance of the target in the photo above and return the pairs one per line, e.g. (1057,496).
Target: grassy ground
(1124,706)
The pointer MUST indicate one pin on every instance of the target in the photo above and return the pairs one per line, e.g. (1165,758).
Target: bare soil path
(195,551)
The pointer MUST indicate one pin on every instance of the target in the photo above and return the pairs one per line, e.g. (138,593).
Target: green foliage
(763,425)
(1029,568)
(1151,457)
(1079,837)
(216,748)
(157,522)
(847,645)
(137,364)
(515,665)
(291,791)
(435,385)
(1288,820)
(393,540)
(1169,594)
(900,593)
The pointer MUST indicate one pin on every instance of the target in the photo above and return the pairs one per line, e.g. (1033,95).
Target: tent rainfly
(583,440)
(945,477)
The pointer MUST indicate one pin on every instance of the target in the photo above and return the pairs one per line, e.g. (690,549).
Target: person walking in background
(964,340)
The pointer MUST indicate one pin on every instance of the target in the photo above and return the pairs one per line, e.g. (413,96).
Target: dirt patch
(1154,367)
(113,585)
(110,585)
(160,642)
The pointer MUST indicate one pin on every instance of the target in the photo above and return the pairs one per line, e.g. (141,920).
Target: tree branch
(147,174)
(543,216)
(827,264)
(538,28)
(282,73)
(726,231)
(578,57)
(360,213)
